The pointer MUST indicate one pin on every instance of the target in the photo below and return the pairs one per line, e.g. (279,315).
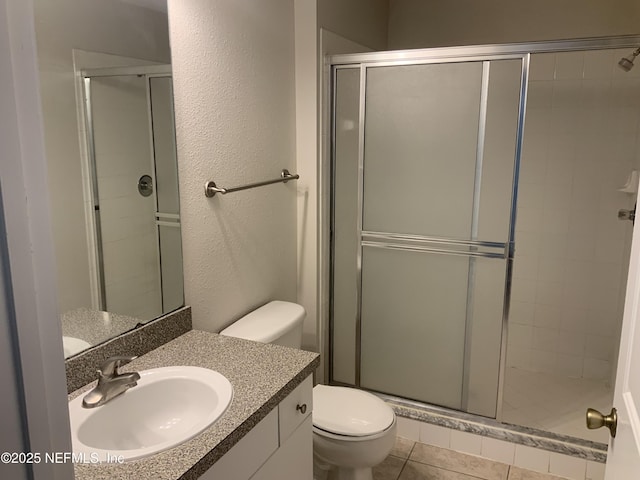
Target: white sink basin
(168,407)
(73,345)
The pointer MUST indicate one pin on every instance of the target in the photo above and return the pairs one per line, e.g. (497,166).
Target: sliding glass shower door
(134,185)
(423,169)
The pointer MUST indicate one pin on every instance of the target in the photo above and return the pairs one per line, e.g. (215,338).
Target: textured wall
(233,65)
(420,24)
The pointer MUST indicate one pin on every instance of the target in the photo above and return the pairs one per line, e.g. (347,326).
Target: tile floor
(554,403)
(411,460)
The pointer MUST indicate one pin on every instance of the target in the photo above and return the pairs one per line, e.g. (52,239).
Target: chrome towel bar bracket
(210,188)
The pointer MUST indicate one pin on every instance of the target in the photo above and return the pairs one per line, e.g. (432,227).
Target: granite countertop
(262,376)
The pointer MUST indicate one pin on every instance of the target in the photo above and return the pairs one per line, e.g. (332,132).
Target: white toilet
(352,430)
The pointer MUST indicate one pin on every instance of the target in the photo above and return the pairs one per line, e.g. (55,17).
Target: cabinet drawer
(295,408)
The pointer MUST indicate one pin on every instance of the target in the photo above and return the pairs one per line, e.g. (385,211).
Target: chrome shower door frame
(148,72)
(483,53)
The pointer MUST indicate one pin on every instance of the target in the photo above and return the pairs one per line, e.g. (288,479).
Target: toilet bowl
(353,430)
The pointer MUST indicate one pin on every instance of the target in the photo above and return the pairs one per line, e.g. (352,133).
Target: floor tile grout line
(406,460)
(411,449)
(449,469)
(402,469)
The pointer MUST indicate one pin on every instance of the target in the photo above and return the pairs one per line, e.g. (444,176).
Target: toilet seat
(349,414)
(349,439)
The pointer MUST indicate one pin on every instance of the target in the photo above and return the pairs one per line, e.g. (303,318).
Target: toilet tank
(277,322)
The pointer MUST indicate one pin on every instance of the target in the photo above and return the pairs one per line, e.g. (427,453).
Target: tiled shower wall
(580,144)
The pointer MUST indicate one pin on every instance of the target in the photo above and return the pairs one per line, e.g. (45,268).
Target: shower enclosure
(427,147)
(135,241)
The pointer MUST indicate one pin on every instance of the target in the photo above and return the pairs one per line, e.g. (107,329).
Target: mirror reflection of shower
(626,63)
(134,184)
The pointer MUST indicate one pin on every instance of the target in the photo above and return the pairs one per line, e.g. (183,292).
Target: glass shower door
(167,214)
(136,204)
(433,161)
(122,150)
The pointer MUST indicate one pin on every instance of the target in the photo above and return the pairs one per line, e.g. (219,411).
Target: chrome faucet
(110,382)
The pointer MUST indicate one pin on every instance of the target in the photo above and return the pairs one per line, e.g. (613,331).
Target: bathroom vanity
(280,446)
(266,431)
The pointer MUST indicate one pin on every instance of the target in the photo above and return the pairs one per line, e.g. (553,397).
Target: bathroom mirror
(106,91)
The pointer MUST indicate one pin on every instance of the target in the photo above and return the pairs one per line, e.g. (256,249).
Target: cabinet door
(294,458)
(248,454)
(295,408)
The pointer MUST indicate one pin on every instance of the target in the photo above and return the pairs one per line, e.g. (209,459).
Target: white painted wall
(420,24)
(26,207)
(362,21)
(312,43)
(307,143)
(234,90)
(106,26)
(12,435)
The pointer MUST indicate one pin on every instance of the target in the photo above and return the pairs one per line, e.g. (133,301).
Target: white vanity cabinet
(280,446)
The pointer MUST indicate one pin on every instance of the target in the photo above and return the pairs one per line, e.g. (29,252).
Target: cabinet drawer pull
(302,408)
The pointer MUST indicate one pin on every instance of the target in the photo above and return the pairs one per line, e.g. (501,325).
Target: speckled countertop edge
(262,376)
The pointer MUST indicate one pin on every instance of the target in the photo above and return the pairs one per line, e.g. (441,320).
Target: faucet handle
(110,366)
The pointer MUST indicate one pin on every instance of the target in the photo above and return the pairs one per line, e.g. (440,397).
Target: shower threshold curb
(488,427)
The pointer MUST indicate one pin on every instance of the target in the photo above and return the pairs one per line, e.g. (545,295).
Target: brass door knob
(596,420)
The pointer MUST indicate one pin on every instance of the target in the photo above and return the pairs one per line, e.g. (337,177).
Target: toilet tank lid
(268,322)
